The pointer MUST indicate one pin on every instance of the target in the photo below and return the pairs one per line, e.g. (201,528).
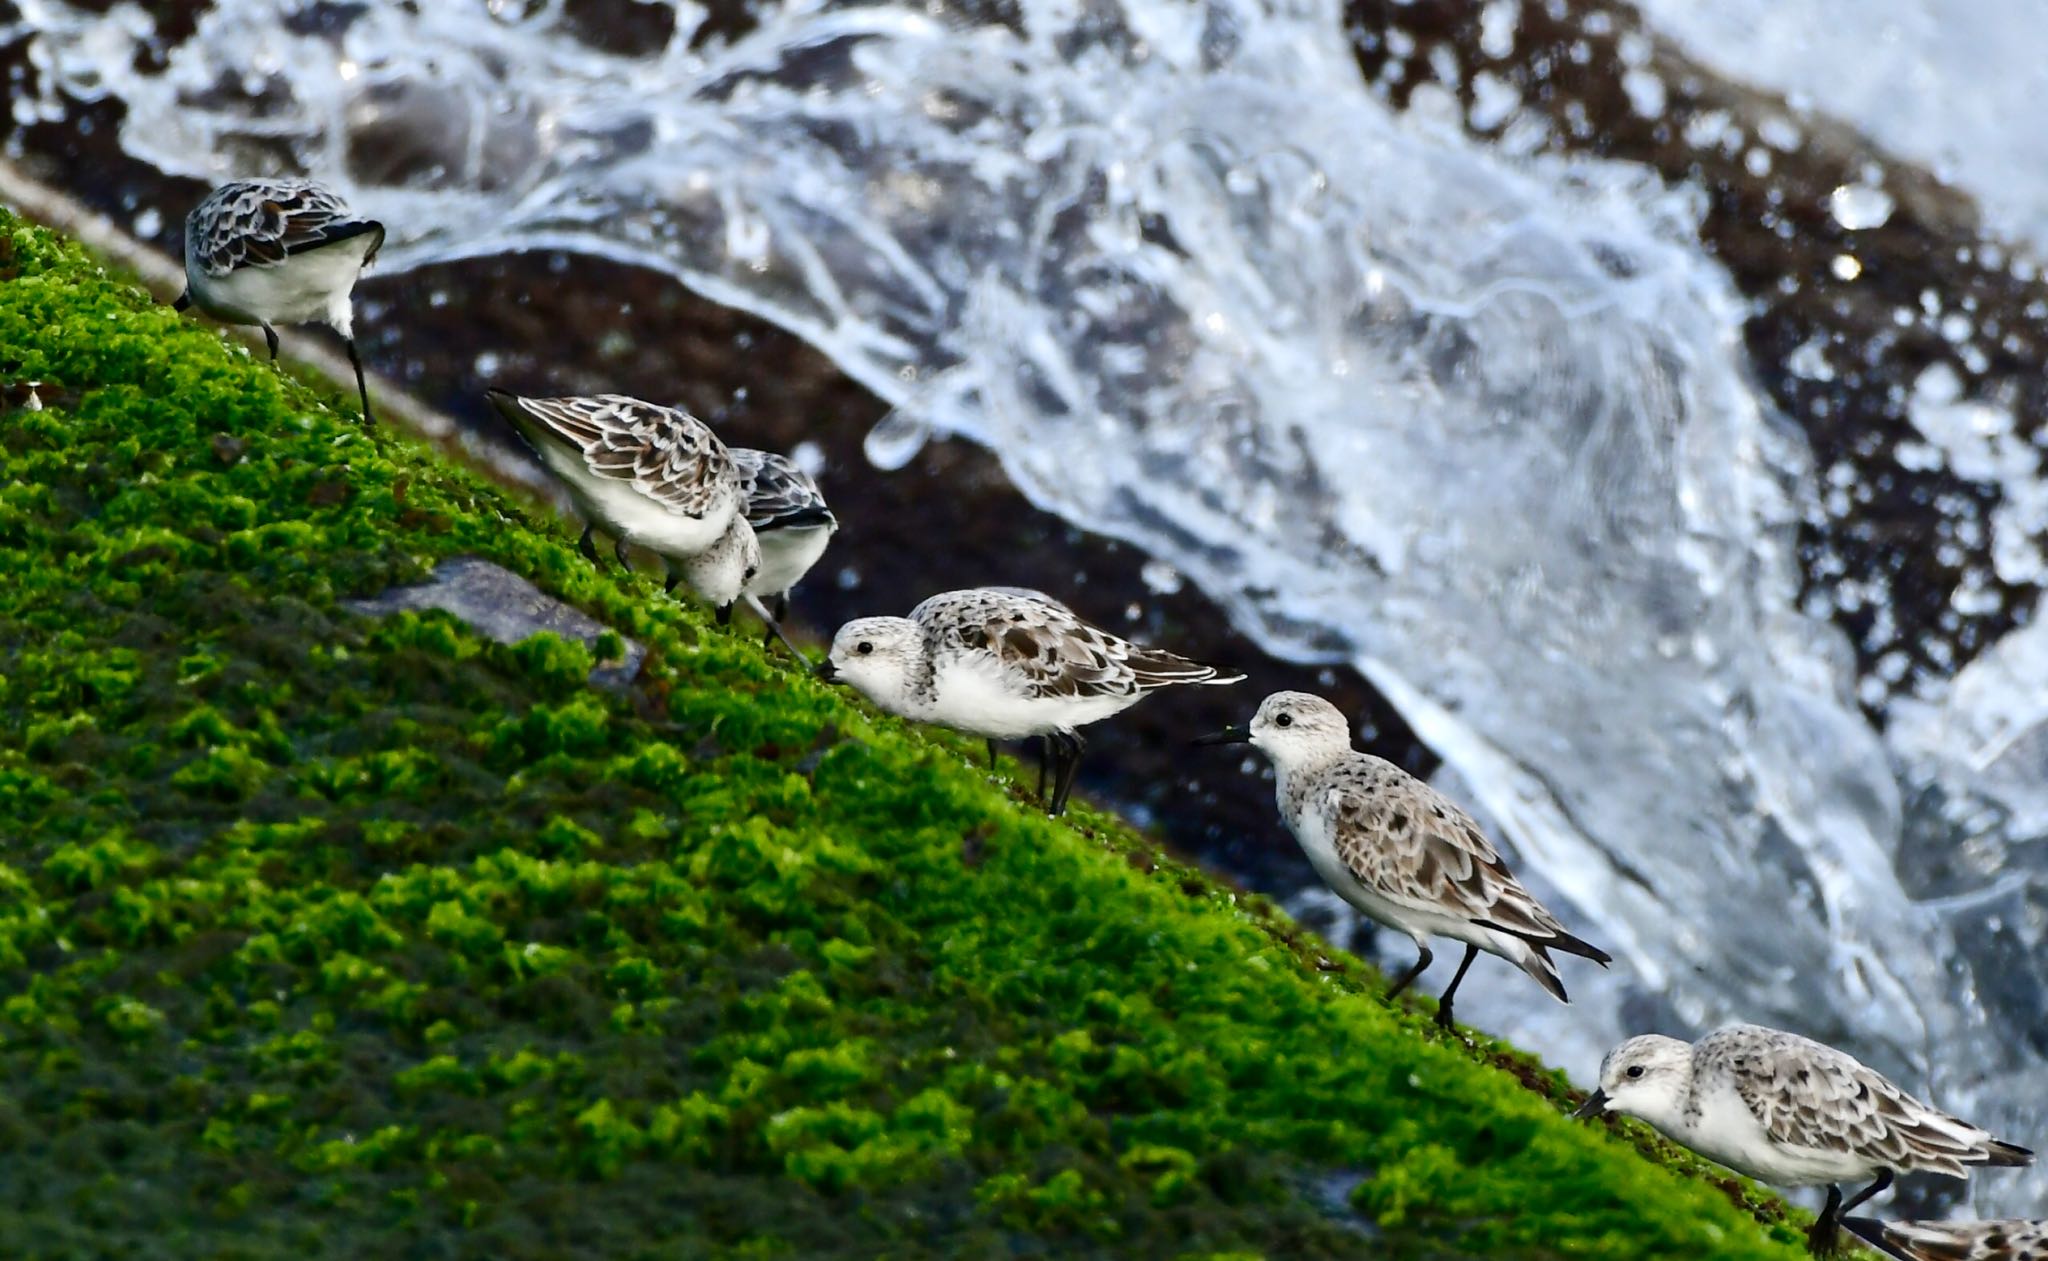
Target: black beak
(724,614)
(826,671)
(184,301)
(1595,1105)
(1229,735)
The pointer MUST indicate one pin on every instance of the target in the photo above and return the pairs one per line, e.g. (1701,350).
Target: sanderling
(1399,850)
(653,477)
(1790,1112)
(1955,1241)
(788,516)
(1004,665)
(274,252)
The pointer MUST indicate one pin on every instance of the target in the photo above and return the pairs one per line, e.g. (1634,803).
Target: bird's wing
(1809,1095)
(1044,647)
(1413,846)
(261,223)
(778,493)
(667,454)
(2007,1240)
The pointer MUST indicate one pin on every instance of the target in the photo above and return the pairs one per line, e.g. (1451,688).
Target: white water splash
(1956,89)
(1480,425)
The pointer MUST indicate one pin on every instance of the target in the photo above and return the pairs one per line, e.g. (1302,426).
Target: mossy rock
(324,934)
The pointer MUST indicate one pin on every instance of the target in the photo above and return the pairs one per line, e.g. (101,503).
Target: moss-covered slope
(322,934)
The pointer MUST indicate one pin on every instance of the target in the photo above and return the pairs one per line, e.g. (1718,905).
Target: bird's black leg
(775,633)
(1052,751)
(1821,1236)
(1063,774)
(1408,977)
(184,301)
(589,549)
(668,584)
(362,389)
(780,610)
(991,755)
(619,550)
(1884,1179)
(270,335)
(1443,1005)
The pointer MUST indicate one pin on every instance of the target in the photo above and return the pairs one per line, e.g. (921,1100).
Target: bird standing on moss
(652,476)
(1005,664)
(271,252)
(1397,849)
(1790,1112)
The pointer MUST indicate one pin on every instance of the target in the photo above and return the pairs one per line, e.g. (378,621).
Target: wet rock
(500,605)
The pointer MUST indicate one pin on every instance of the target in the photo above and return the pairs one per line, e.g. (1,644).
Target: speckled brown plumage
(260,223)
(2008,1240)
(1045,650)
(1809,1095)
(667,454)
(1410,844)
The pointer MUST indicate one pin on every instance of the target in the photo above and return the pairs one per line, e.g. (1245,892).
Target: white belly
(625,513)
(1728,1133)
(305,288)
(786,556)
(975,697)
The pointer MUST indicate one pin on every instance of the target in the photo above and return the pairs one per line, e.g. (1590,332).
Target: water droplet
(1858,207)
(896,439)
(1160,578)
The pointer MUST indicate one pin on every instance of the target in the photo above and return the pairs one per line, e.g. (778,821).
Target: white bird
(272,252)
(1005,664)
(653,477)
(2009,1240)
(1399,850)
(788,515)
(1791,1112)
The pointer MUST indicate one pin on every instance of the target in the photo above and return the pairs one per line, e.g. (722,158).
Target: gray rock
(500,605)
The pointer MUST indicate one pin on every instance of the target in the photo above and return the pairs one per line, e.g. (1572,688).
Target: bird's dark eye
(1635,1070)
(863,647)
(1284,720)
(751,571)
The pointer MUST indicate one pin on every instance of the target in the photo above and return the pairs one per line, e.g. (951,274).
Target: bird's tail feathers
(1536,961)
(1156,668)
(1575,946)
(1999,1153)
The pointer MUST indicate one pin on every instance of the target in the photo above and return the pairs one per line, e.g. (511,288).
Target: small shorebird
(271,252)
(1955,1241)
(1791,1112)
(1399,850)
(1005,664)
(651,476)
(789,518)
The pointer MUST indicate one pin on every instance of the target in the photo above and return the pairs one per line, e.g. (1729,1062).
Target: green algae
(321,934)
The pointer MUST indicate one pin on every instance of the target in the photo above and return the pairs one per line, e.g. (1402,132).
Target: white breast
(786,556)
(976,695)
(1314,827)
(313,286)
(1728,1132)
